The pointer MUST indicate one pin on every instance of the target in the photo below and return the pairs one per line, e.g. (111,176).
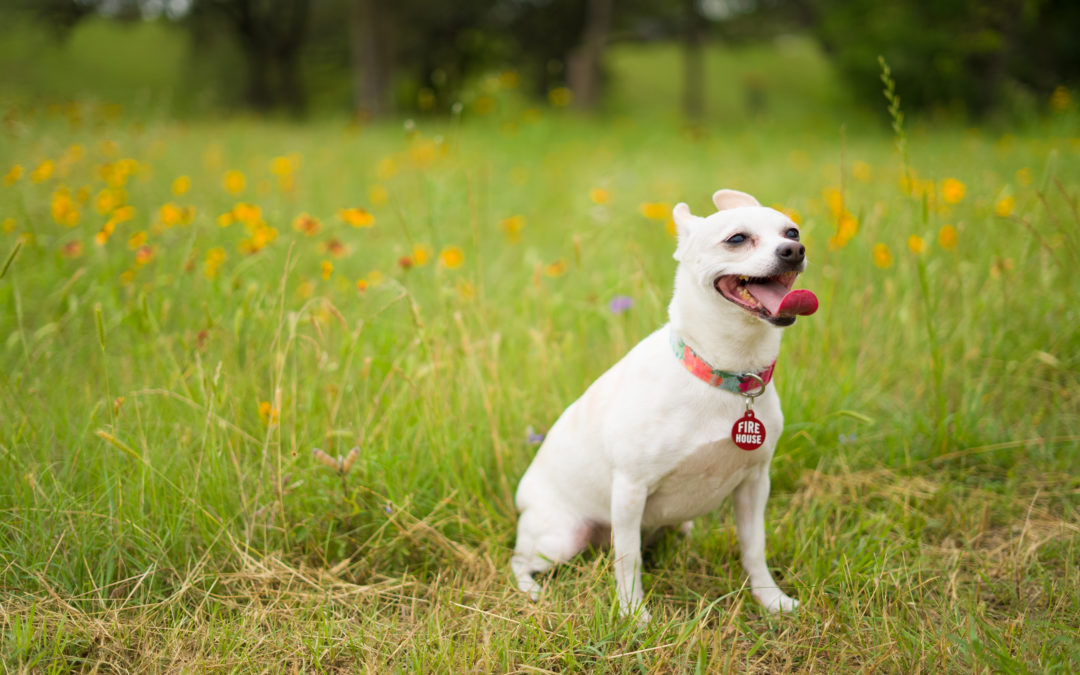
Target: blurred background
(700,61)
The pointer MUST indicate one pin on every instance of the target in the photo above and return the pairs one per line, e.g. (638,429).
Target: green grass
(925,491)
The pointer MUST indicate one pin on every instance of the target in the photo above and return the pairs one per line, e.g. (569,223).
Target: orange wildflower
(356,217)
(452,257)
(882,256)
(307,224)
(947,237)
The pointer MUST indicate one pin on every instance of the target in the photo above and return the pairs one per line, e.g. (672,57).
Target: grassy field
(188,310)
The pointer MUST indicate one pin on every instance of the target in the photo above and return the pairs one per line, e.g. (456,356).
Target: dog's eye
(736,239)
(792,234)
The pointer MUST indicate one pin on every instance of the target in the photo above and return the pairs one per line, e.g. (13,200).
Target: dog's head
(745,256)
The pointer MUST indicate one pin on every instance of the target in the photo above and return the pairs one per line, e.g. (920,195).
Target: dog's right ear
(732,199)
(685,224)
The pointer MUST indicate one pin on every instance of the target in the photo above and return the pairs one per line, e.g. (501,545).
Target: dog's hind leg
(545,538)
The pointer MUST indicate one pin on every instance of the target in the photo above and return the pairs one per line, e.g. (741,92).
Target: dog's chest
(703,476)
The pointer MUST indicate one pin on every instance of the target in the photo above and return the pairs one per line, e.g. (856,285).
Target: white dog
(651,443)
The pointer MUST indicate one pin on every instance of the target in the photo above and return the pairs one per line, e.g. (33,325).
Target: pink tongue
(782,302)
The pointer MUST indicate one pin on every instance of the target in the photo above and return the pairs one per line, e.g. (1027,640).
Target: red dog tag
(748,432)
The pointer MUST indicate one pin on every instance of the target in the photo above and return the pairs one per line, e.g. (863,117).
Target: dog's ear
(685,224)
(730,199)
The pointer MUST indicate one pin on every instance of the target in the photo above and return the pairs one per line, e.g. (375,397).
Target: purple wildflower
(620,304)
(534,438)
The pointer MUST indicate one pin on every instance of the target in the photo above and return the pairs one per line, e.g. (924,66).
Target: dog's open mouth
(769,297)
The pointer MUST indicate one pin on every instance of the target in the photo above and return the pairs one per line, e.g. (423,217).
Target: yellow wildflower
(466,290)
(555,269)
(424,152)
(560,97)
(882,256)
(452,257)
(512,227)
(834,199)
(326,268)
(421,253)
(13,174)
(947,237)
(1005,206)
(483,105)
(356,217)
(599,196)
(916,244)
(137,240)
(261,236)
(378,195)
(267,413)
(1001,266)
(361,285)
(1060,99)
(234,182)
(214,259)
(248,214)
(43,172)
(7,226)
(670,228)
(170,214)
(386,168)
(794,214)
(284,165)
(846,228)
(952,191)
(181,185)
(109,199)
(122,214)
(64,210)
(655,210)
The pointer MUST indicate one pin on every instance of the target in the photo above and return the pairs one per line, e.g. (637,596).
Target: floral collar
(736,383)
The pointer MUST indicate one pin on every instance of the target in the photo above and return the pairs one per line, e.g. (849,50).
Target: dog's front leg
(750,498)
(627,506)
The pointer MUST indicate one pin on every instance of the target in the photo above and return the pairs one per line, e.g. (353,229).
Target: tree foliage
(974,55)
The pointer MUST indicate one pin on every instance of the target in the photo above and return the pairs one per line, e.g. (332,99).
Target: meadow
(189,309)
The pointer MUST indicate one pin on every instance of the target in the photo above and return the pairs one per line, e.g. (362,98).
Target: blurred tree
(584,67)
(372,57)
(968,54)
(693,38)
(270,34)
(562,42)
(423,52)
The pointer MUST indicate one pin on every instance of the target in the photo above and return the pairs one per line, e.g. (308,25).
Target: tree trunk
(584,62)
(369,41)
(693,64)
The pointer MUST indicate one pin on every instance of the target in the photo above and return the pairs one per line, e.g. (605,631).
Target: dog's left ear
(685,224)
(731,199)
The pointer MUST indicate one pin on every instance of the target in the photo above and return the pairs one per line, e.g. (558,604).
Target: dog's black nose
(791,252)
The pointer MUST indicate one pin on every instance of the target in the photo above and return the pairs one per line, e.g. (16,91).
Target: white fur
(648,444)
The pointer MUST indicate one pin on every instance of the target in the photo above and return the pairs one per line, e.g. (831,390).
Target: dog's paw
(529,586)
(641,616)
(775,601)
